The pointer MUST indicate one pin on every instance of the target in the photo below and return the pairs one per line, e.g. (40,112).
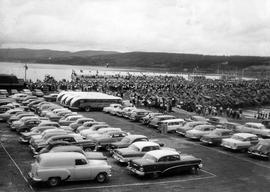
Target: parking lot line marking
(140,184)
(16,165)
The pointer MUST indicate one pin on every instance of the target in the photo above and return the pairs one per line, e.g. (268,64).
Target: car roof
(61,155)
(172,120)
(161,153)
(132,137)
(245,135)
(255,124)
(141,144)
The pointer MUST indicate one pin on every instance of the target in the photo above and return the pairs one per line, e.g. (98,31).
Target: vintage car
(25,123)
(157,162)
(3,92)
(48,113)
(196,118)
(18,116)
(71,138)
(232,126)
(4,108)
(255,128)
(6,115)
(35,102)
(215,137)
(128,140)
(170,125)
(49,109)
(26,91)
(217,120)
(104,140)
(266,123)
(67,121)
(55,168)
(13,91)
(136,150)
(116,110)
(146,119)
(74,148)
(80,122)
(51,97)
(240,141)
(262,149)
(137,114)
(38,93)
(89,125)
(19,96)
(157,120)
(59,115)
(111,107)
(199,131)
(189,126)
(125,112)
(26,136)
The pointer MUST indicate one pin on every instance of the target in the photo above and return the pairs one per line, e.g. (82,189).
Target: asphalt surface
(223,170)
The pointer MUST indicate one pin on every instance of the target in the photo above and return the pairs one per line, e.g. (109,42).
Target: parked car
(25,123)
(80,122)
(240,141)
(146,119)
(189,126)
(4,108)
(255,128)
(111,107)
(232,126)
(99,128)
(128,140)
(38,93)
(262,149)
(54,168)
(157,120)
(217,120)
(90,125)
(26,91)
(18,116)
(266,123)
(106,139)
(135,150)
(5,116)
(51,97)
(13,91)
(215,137)
(3,93)
(19,96)
(199,131)
(26,136)
(170,125)
(159,162)
(125,112)
(67,121)
(137,114)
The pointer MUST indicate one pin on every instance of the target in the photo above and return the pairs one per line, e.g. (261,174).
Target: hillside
(162,61)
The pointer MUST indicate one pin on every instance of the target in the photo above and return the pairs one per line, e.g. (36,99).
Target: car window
(69,139)
(80,162)
(174,158)
(145,149)
(163,159)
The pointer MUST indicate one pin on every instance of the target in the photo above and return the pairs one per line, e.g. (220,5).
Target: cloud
(191,26)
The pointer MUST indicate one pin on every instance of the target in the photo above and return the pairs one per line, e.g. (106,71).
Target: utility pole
(25,70)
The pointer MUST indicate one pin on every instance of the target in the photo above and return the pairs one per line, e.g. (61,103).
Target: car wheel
(102,177)
(88,149)
(194,170)
(54,181)
(87,109)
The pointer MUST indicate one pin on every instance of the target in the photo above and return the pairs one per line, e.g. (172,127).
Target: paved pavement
(223,170)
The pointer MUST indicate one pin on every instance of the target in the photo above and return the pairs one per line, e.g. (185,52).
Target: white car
(68,166)
(240,141)
(111,107)
(199,131)
(89,133)
(255,128)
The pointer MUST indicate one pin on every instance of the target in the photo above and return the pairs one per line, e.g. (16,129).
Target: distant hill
(158,60)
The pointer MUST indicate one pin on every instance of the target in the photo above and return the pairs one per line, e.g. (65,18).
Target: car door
(81,170)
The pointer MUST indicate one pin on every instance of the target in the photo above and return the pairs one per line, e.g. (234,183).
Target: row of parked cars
(67,145)
(215,131)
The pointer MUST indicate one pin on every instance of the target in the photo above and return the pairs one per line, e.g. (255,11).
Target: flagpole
(25,69)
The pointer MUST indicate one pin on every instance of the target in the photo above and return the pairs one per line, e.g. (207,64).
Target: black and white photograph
(134,95)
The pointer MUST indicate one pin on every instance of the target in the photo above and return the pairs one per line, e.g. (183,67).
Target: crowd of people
(201,95)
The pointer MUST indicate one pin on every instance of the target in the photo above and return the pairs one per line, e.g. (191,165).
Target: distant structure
(11,82)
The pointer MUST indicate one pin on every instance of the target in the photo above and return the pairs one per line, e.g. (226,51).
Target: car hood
(142,162)
(126,151)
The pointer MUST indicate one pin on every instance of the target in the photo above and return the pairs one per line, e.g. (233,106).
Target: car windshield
(133,147)
(150,157)
(125,140)
(237,137)
(262,147)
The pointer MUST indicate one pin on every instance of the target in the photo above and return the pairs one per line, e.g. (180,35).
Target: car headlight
(141,169)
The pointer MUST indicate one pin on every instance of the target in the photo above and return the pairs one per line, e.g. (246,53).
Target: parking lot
(223,170)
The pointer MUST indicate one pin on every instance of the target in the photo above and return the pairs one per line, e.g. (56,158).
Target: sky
(216,27)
